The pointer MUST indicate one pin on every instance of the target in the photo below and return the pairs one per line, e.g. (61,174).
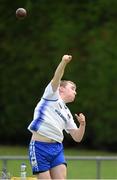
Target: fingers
(80,118)
(67,58)
(76,116)
(80,115)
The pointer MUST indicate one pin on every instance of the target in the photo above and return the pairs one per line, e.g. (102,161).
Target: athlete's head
(67,90)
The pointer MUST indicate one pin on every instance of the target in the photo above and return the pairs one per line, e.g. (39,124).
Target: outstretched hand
(67,58)
(81,119)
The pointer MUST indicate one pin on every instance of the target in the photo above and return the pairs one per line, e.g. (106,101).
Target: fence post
(98,163)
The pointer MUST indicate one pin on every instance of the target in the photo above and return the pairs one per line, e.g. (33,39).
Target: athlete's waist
(38,137)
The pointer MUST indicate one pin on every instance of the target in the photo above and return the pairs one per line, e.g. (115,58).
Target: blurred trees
(32,48)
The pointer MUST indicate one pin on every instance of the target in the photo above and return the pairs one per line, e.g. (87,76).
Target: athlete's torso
(52,116)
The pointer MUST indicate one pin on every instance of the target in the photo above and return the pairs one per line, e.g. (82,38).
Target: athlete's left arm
(77,134)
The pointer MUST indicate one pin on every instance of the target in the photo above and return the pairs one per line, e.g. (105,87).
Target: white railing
(98,160)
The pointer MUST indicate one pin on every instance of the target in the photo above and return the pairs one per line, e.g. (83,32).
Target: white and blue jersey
(52,116)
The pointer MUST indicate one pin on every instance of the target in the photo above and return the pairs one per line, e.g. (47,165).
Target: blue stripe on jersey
(36,122)
(50,99)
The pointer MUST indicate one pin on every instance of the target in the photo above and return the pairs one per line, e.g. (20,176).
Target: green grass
(77,169)
(85,169)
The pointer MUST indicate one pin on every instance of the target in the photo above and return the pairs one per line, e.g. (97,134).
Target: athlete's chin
(71,100)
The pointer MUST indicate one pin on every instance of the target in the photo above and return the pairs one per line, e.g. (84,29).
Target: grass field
(76,169)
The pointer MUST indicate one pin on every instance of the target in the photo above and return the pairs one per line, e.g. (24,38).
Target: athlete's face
(69,92)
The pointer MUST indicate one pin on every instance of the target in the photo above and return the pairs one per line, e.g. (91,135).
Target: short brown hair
(63,83)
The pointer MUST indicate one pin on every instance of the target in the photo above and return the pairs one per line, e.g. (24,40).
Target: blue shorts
(44,156)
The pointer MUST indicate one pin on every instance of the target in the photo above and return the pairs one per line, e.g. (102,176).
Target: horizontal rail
(91,158)
(67,157)
(98,160)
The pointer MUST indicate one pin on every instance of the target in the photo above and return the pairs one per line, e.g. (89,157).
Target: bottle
(23,171)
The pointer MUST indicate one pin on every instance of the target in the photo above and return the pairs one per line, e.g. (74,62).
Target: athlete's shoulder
(49,94)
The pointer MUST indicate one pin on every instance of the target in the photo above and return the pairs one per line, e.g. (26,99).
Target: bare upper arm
(54,84)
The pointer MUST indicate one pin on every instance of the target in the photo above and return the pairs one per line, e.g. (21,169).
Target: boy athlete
(51,117)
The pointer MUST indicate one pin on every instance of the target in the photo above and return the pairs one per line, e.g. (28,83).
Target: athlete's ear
(61,89)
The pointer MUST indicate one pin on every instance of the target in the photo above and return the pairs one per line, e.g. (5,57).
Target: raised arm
(60,71)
